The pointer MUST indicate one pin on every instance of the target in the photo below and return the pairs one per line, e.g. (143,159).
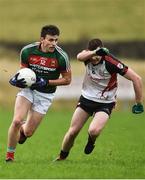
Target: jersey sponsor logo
(103,73)
(43,61)
(40,69)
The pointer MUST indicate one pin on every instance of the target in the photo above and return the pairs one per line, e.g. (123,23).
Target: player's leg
(98,123)
(35,114)
(78,120)
(28,128)
(22,105)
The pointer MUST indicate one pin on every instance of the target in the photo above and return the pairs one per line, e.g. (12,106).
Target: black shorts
(92,107)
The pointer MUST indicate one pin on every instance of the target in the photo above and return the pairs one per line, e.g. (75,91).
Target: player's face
(48,43)
(95,59)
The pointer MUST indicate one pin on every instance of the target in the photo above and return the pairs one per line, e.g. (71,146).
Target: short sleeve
(64,64)
(113,65)
(24,57)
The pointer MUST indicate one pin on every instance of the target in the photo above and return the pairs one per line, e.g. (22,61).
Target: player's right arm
(88,54)
(14,81)
(24,54)
(85,55)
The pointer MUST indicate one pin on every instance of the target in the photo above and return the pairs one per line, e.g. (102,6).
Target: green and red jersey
(46,65)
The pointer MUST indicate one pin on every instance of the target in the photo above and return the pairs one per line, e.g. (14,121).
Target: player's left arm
(65,79)
(65,71)
(137,85)
(113,65)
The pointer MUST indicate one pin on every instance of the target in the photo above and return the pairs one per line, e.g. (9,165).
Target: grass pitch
(119,152)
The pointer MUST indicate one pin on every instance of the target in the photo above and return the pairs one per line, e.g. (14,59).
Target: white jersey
(100,81)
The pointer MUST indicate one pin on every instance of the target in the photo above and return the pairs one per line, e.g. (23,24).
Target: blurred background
(119,23)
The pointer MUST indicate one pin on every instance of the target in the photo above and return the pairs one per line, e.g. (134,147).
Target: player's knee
(16,123)
(94,131)
(28,133)
(73,132)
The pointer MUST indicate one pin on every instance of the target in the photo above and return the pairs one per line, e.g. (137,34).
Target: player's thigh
(79,118)
(99,121)
(22,106)
(33,120)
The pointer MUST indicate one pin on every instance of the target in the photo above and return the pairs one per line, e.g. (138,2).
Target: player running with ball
(48,61)
(98,94)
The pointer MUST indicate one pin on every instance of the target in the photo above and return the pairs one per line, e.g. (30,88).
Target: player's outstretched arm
(137,84)
(87,54)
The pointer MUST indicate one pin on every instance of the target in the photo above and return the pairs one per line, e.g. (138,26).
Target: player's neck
(43,49)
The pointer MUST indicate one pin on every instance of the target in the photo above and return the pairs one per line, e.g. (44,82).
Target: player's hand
(40,82)
(101,51)
(14,81)
(137,108)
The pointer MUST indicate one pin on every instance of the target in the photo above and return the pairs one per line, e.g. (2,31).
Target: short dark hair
(94,44)
(50,30)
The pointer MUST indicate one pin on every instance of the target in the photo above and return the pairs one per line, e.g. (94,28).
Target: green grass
(119,152)
(106,19)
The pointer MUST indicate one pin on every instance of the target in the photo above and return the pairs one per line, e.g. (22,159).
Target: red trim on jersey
(110,59)
(23,65)
(125,70)
(116,63)
(112,83)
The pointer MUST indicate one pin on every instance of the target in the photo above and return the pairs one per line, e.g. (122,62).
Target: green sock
(10,149)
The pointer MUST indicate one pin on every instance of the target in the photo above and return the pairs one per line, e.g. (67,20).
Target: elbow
(138,78)
(79,57)
(67,81)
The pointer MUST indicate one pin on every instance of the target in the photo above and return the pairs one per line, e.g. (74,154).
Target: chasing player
(98,94)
